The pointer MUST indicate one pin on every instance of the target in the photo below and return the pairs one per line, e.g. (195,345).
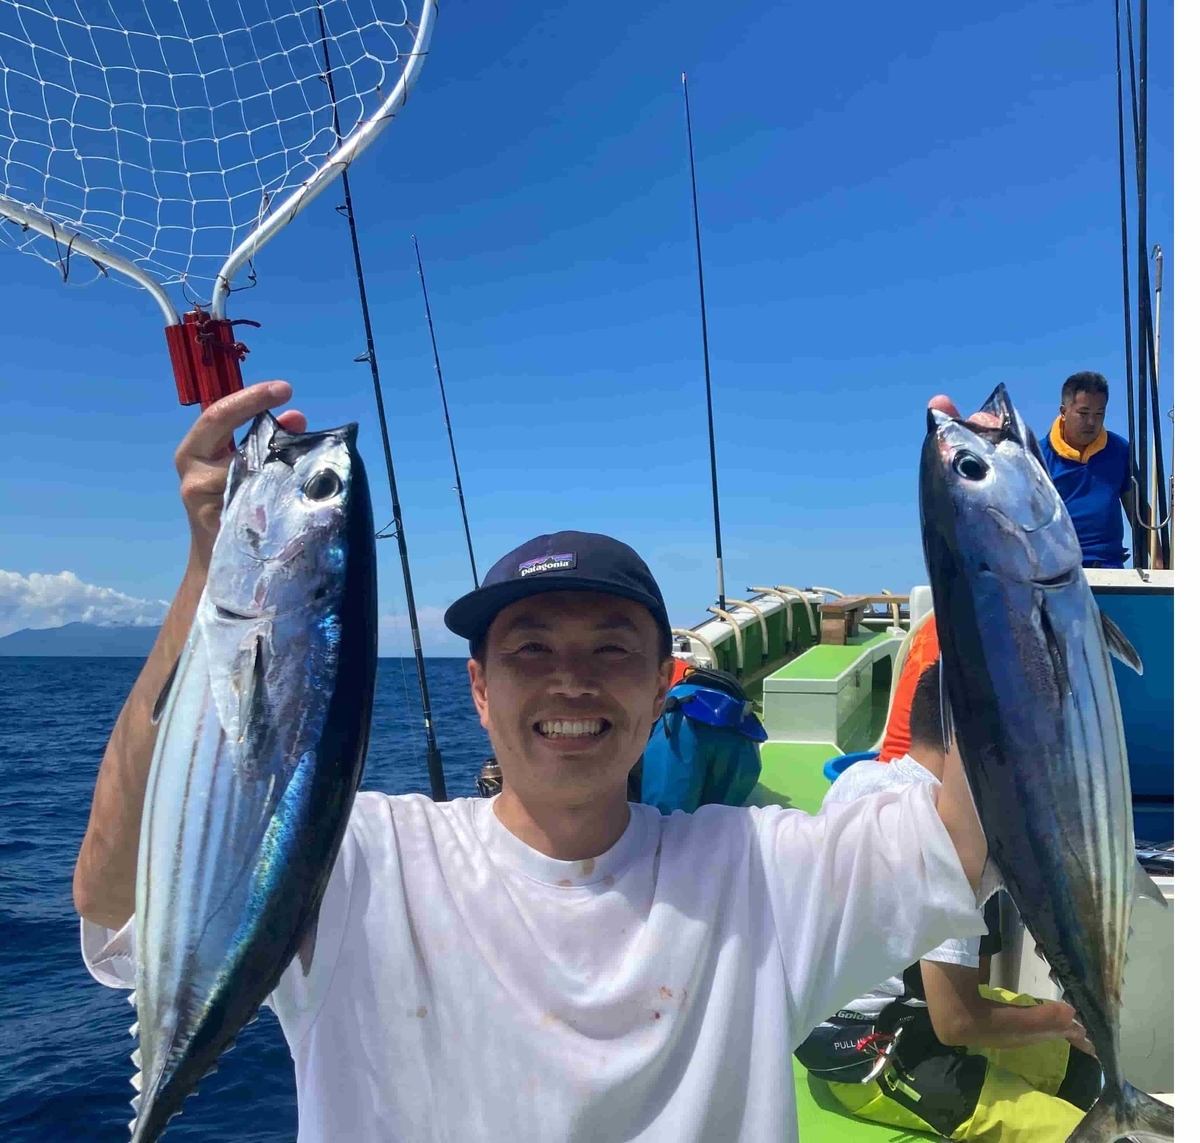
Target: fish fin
(136,1058)
(251,676)
(944,702)
(1119,646)
(136,1103)
(135,1081)
(132,998)
(256,444)
(1000,405)
(132,1126)
(990,883)
(935,418)
(160,703)
(1124,1113)
(133,1028)
(308,943)
(1143,885)
(1054,649)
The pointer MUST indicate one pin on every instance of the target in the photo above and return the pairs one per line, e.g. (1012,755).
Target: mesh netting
(165,130)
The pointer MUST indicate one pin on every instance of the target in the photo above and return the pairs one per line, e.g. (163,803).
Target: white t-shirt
(466,987)
(870,777)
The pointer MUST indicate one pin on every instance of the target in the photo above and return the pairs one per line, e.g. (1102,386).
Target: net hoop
(74,242)
(71,242)
(357,141)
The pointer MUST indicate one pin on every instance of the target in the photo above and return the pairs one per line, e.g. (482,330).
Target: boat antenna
(433,756)
(437,364)
(712,443)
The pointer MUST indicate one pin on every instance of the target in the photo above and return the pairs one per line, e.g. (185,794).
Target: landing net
(168,131)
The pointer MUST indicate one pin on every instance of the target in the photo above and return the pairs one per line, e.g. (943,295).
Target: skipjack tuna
(261,744)
(1029,685)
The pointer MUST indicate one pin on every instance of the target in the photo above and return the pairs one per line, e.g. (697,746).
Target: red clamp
(206,357)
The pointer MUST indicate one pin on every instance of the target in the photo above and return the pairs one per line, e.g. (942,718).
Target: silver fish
(1029,690)
(261,743)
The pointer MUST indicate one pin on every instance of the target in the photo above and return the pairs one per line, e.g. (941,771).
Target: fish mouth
(224,612)
(1051,582)
(572,729)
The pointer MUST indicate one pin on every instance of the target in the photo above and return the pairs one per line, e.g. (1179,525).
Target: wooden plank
(862,601)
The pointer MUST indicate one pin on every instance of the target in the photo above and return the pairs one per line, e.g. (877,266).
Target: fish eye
(969,466)
(322,485)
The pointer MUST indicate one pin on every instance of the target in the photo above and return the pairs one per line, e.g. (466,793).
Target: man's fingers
(209,436)
(943,404)
(293,420)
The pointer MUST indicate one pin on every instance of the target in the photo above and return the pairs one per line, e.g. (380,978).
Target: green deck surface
(827,661)
(791,775)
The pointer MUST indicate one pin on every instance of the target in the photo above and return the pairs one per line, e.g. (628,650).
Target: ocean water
(64,1042)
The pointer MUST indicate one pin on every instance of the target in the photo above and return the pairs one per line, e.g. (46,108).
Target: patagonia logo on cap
(546,563)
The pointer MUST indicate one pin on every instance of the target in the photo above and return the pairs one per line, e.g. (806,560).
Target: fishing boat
(822,665)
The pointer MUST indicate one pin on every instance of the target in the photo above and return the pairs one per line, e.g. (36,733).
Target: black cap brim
(472,615)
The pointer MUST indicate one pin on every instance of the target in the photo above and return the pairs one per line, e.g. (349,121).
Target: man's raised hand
(202,459)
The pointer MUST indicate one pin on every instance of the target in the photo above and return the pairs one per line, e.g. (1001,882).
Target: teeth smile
(571,728)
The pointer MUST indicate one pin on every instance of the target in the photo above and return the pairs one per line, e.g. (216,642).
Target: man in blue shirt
(1090,468)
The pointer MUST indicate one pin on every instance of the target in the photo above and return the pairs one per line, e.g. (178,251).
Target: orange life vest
(922,653)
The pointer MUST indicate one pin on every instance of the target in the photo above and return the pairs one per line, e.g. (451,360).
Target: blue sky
(894,202)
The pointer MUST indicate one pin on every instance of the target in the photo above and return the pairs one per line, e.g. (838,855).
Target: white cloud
(38,600)
(395,639)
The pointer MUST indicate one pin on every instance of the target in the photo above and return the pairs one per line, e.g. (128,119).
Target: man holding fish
(551,964)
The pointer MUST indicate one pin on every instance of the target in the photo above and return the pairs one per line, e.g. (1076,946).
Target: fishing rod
(1157,256)
(1130,407)
(1154,520)
(1151,512)
(712,443)
(437,364)
(433,756)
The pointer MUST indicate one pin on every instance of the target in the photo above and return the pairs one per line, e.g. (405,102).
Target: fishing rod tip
(683,76)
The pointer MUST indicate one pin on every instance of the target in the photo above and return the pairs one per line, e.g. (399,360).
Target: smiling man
(557,964)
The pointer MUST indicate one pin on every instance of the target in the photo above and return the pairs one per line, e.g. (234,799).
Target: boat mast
(437,364)
(712,445)
(433,756)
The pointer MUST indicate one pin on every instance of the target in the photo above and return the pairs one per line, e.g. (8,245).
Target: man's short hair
(925,715)
(1085,382)
(478,646)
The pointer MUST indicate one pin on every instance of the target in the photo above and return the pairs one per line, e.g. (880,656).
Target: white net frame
(170,140)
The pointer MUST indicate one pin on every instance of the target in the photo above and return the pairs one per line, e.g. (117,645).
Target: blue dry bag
(704,748)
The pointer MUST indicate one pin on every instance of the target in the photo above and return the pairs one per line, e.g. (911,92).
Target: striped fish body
(260,749)
(1028,680)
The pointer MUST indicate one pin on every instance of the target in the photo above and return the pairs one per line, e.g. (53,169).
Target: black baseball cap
(563,561)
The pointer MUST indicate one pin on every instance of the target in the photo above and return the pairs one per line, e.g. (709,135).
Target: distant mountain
(81,640)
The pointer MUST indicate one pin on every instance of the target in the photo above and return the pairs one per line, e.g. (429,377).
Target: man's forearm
(957,811)
(997,1025)
(106,869)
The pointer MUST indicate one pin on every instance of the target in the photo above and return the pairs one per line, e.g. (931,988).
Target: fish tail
(1126,1112)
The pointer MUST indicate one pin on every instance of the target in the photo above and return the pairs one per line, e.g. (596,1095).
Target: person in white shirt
(556,963)
(966,1061)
